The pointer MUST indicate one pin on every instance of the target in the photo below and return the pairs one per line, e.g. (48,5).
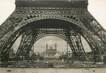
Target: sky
(96,7)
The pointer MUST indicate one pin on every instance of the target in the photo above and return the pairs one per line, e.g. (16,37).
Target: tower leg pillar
(104,58)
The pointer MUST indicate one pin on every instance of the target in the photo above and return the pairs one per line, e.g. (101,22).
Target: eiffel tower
(67,19)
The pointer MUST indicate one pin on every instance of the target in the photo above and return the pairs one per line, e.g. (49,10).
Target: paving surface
(52,70)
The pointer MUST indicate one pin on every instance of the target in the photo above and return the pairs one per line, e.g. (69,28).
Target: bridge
(66,19)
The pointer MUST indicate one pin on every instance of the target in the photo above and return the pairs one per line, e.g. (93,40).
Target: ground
(52,70)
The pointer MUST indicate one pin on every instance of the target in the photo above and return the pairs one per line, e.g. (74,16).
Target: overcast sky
(96,7)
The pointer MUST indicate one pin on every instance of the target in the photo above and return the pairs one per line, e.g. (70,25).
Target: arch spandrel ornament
(21,23)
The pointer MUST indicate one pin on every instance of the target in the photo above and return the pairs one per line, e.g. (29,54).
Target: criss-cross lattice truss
(69,20)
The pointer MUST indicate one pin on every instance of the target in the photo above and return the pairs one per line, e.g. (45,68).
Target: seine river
(52,70)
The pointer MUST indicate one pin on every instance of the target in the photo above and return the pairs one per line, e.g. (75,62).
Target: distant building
(51,52)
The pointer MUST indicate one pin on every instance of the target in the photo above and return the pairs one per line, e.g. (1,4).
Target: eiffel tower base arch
(75,21)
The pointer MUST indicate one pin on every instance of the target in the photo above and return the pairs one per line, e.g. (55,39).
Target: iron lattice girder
(23,16)
(94,27)
(97,49)
(50,32)
(76,47)
(5,48)
(75,43)
(51,3)
(74,15)
(27,41)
